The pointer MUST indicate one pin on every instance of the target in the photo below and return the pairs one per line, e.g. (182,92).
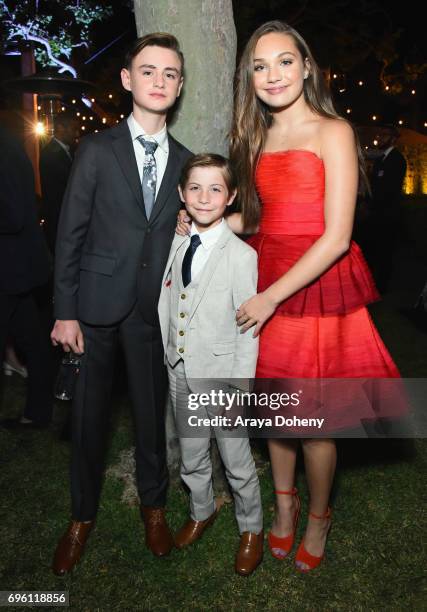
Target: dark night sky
(331,28)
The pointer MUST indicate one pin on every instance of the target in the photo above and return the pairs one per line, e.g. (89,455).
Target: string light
(62,108)
(104,120)
(348,111)
(425,123)
(91,118)
(387,88)
(39,128)
(400,122)
(360,83)
(92,99)
(110,96)
(84,118)
(374,117)
(122,116)
(39,108)
(73,101)
(375,142)
(413,92)
(335,76)
(78,114)
(83,127)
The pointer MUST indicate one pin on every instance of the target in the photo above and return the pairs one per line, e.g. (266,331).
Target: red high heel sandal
(286,543)
(303,555)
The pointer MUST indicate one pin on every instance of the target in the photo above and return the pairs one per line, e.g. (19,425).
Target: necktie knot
(149,145)
(195,242)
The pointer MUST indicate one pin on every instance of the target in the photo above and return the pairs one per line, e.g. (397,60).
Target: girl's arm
(339,154)
(235,223)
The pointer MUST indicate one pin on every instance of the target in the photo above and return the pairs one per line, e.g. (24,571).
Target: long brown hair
(252,117)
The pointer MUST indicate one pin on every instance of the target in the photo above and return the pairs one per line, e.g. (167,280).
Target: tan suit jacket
(214,346)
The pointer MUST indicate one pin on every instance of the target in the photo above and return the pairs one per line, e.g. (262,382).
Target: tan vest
(180,307)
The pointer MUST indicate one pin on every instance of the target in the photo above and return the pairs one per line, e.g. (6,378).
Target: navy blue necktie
(195,242)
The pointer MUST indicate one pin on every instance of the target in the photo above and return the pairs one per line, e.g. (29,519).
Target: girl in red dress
(313,281)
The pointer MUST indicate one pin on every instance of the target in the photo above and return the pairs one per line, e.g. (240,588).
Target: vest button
(181,350)
(181,333)
(182,315)
(183,296)
(144,265)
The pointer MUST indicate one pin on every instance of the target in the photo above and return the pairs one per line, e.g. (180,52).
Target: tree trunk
(207,36)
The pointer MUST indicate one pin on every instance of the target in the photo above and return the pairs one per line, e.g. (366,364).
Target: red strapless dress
(324,330)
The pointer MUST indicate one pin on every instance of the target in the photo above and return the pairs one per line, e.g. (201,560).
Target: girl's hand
(255,311)
(183,223)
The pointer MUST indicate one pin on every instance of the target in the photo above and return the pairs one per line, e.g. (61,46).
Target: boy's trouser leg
(241,474)
(143,350)
(91,411)
(196,466)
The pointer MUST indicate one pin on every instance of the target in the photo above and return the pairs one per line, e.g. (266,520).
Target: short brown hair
(210,160)
(156,39)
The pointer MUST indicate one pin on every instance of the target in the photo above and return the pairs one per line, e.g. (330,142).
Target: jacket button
(148,230)
(144,265)
(182,315)
(181,350)
(181,333)
(183,296)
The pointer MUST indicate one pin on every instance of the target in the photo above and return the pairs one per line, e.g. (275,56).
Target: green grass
(375,557)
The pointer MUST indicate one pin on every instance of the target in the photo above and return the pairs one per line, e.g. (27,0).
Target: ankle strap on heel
(321,516)
(292,491)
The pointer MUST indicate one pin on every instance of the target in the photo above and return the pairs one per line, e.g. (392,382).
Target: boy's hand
(183,223)
(69,335)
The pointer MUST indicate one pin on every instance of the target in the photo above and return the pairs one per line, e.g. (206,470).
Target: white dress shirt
(209,238)
(160,154)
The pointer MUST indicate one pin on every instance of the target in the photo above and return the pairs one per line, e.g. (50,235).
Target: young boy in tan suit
(207,277)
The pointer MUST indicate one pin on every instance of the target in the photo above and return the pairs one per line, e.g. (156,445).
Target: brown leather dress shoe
(158,536)
(70,547)
(193,530)
(250,552)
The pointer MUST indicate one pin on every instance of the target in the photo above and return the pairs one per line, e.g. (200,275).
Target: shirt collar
(210,237)
(137,130)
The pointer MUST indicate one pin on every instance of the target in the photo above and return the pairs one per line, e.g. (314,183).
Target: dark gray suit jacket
(108,255)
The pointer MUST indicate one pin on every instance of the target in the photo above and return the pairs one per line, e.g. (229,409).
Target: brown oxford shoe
(70,547)
(193,530)
(158,536)
(250,552)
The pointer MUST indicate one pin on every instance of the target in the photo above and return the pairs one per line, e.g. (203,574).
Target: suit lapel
(123,150)
(210,267)
(170,178)
(178,241)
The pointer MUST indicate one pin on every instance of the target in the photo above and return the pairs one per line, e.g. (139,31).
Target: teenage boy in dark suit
(116,227)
